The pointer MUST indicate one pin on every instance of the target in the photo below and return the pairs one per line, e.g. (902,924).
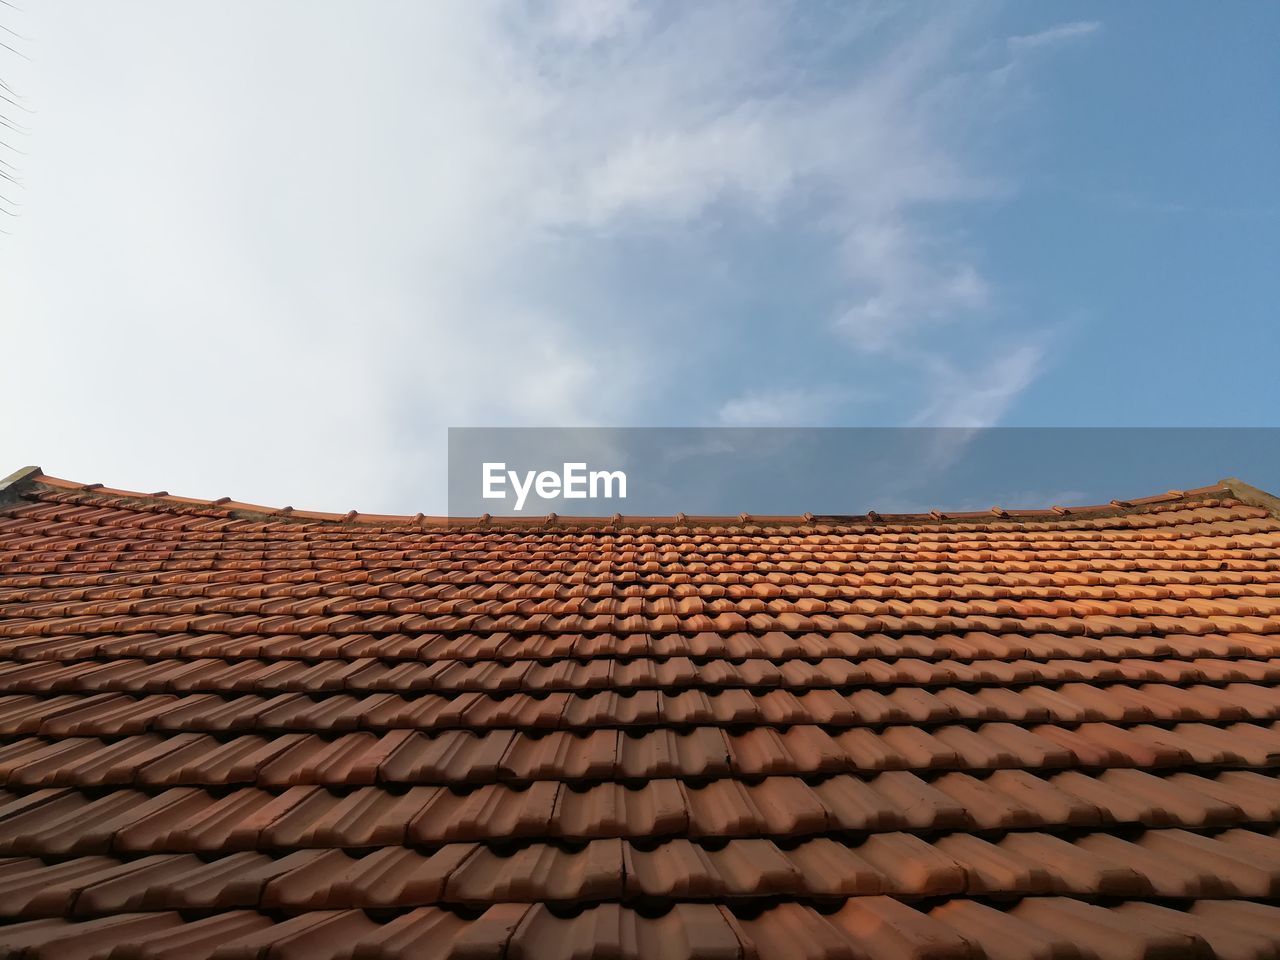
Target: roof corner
(13,486)
(1252,495)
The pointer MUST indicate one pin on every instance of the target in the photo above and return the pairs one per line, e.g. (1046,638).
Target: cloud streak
(1063,32)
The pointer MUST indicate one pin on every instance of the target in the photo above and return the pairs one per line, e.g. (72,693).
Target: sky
(274,250)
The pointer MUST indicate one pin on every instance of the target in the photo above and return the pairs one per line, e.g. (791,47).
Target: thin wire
(16,103)
(9,173)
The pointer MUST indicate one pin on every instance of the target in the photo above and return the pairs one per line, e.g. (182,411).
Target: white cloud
(590,21)
(273,253)
(909,285)
(677,174)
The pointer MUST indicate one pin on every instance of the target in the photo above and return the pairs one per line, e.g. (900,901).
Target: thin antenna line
(9,174)
(16,104)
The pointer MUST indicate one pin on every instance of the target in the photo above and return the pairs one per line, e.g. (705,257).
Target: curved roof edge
(32,478)
(27,479)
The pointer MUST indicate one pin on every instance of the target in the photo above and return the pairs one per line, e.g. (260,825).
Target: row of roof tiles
(1037,928)
(1091,599)
(290,663)
(977,647)
(391,580)
(684,608)
(444,552)
(1189,519)
(1258,540)
(462,757)
(36,525)
(1157,863)
(1157,568)
(105,712)
(433,572)
(759,623)
(437,567)
(59,822)
(697,683)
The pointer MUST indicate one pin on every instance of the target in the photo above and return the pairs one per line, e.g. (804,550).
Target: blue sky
(274,252)
(1148,216)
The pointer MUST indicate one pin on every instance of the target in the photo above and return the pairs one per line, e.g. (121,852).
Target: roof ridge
(1251,495)
(22,481)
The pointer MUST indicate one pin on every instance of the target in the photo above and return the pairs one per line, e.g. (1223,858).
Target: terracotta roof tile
(235,732)
(1106,932)
(1223,939)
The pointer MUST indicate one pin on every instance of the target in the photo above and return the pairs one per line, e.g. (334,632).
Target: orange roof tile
(236,731)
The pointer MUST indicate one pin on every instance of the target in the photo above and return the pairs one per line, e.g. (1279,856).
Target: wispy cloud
(978,396)
(798,406)
(291,278)
(1063,32)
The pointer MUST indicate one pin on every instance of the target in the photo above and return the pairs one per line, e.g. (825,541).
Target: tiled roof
(231,731)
